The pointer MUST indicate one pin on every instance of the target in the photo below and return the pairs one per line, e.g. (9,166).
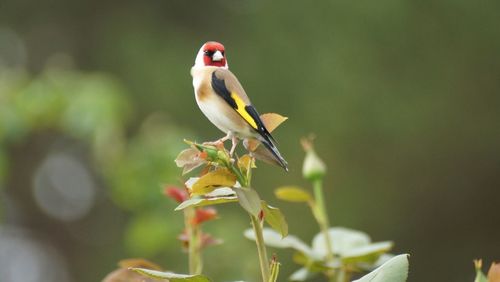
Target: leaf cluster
(222,179)
(337,252)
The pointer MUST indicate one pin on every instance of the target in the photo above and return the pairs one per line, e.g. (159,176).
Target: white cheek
(199,62)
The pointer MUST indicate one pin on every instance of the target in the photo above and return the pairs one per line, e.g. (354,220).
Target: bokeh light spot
(63,187)
(22,258)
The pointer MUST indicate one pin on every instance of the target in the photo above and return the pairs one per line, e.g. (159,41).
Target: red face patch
(209,49)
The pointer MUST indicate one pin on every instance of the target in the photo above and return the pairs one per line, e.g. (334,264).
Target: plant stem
(257,227)
(322,216)
(193,233)
(239,176)
(347,276)
(261,248)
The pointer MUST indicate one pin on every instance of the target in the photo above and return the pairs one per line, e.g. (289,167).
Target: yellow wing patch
(240,108)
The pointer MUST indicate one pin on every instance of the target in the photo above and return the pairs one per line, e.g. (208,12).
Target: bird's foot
(218,143)
(234,141)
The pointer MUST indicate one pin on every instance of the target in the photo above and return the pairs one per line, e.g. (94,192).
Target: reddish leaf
(272,120)
(203,215)
(206,240)
(494,273)
(186,156)
(124,274)
(138,262)
(189,159)
(251,144)
(177,194)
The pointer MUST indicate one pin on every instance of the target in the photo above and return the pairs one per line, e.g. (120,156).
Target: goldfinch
(222,99)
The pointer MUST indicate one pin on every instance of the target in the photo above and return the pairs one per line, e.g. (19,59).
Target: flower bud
(208,153)
(314,168)
(215,154)
(223,157)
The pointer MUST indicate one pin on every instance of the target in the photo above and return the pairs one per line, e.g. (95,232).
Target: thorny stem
(194,250)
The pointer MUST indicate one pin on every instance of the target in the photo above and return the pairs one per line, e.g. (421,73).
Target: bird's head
(211,54)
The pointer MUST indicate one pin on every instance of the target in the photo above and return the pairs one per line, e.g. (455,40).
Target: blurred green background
(96,97)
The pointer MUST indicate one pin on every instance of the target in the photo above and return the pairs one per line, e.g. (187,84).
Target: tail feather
(266,141)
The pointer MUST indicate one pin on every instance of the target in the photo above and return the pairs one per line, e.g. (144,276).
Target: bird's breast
(221,114)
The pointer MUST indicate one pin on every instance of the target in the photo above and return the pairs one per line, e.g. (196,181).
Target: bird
(224,102)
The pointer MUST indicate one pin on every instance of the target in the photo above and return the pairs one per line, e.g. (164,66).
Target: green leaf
(293,194)
(275,269)
(274,239)
(313,265)
(300,275)
(218,196)
(275,218)
(394,270)
(172,277)
(208,182)
(249,200)
(206,202)
(301,258)
(189,203)
(369,253)
(369,266)
(343,241)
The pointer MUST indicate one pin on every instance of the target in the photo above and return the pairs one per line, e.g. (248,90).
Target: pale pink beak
(217,56)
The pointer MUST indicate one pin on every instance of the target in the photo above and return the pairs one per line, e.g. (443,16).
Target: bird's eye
(209,53)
